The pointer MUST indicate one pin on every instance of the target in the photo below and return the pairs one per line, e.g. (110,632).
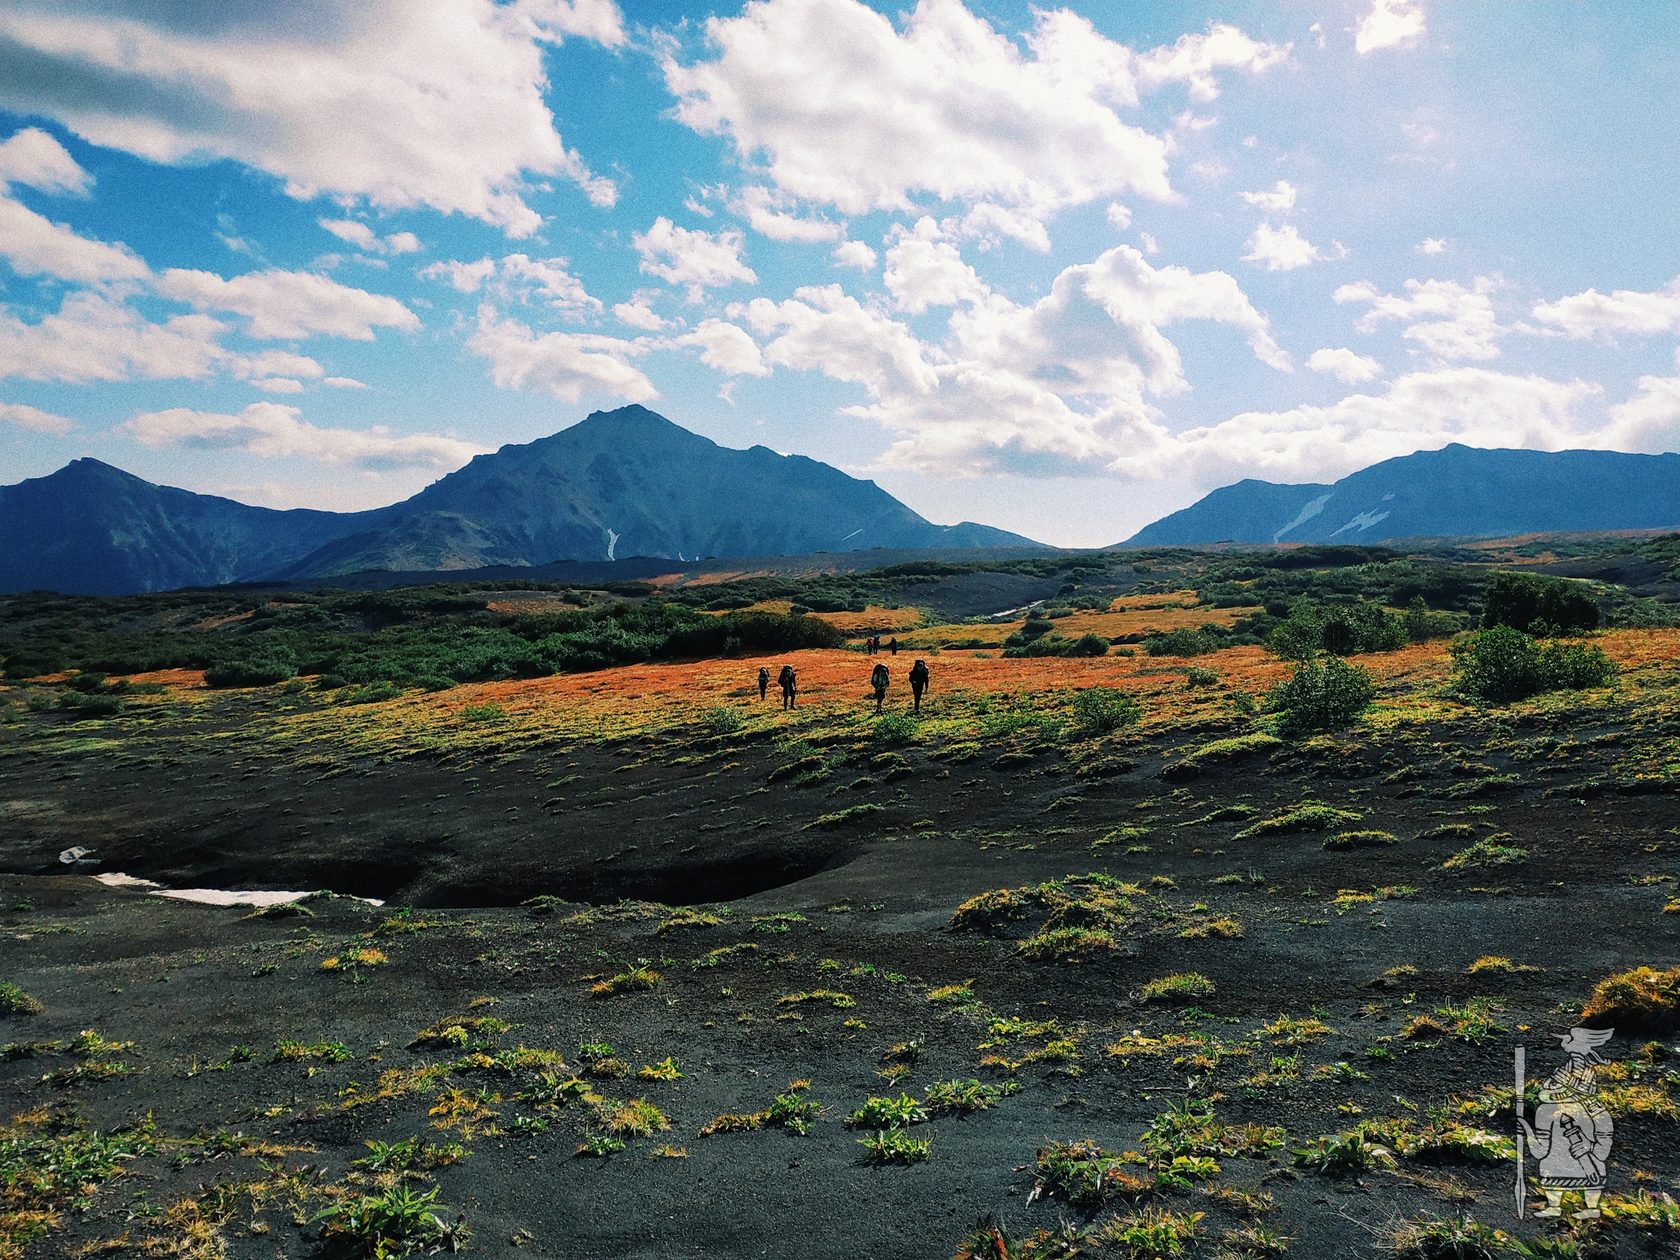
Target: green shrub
(14,1001)
(1185,642)
(1534,604)
(1183,987)
(1198,676)
(1321,696)
(256,670)
(1502,664)
(721,720)
(1103,710)
(400,1221)
(483,713)
(1340,629)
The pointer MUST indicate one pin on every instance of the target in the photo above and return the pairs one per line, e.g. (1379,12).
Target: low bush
(1502,664)
(1104,710)
(1322,696)
(1185,642)
(1534,604)
(1643,999)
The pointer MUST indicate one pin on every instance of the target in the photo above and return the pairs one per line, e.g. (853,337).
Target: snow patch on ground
(1306,514)
(1362,522)
(210,896)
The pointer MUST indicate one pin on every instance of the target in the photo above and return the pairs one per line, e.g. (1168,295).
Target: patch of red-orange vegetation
(665,579)
(178,679)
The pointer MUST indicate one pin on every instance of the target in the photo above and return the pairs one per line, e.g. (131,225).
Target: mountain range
(617,484)
(1457,491)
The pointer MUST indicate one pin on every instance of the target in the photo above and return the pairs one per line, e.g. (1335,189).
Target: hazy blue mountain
(620,483)
(1457,491)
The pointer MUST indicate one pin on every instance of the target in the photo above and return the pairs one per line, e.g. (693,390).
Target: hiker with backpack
(763,682)
(918,681)
(878,680)
(788,681)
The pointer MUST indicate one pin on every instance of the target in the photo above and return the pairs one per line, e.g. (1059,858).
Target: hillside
(1457,491)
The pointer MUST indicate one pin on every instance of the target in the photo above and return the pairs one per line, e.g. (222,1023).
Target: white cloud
(1390,24)
(1278,199)
(924,271)
(823,328)
(1283,248)
(1583,316)
(854,254)
(727,347)
(685,256)
(33,418)
(278,385)
(92,337)
(767,212)
(36,246)
(1649,421)
(36,160)
(1119,215)
(398,103)
(850,112)
(1419,411)
(1430,246)
(565,364)
(288,305)
(463,277)
(344,382)
(275,431)
(1051,387)
(637,313)
(1345,365)
(1446,319)
(1196,59)
(359,234)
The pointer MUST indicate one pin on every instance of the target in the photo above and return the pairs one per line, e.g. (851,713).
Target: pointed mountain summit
(617,484)
(1457,491)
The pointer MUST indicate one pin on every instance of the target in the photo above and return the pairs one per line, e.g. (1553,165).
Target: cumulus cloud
(1444,318)
(849,112)
(275,431)
(565,364)
(1430,246)
(727,347)
(93,337)
(1050,387)
(36,160)
(518,277)
(36,246)
(33,418)
(1589,315)
(1390,24)
(1345,365)
(1649,421)
(768,213)
(690,257)
(1281,247)
(288,305)
(637,313)
(1418,411)
(398,103)
(359,234)
(1195,60)
(1278,199)
(854,254)
(924,271)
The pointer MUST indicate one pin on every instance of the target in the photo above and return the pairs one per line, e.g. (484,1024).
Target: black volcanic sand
(865,910)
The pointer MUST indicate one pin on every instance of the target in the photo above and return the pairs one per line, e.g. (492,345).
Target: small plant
(1455,1238)
(1200,676)
(721,720)
(1345,1155)
(1485,852)
(400,1221)
(1082,1174)
(1184,987)
(599,1146)
(894,1146)
(1361,840)
(792,1110)
(1104,710)
(665,1070)
(888,1113)
(355,959)
(1643,999)
(1307,816)
(301,1051)
(962,1097)
(14,1001)
(635,1118)
(483,713)
(1152,1234)
(638,979)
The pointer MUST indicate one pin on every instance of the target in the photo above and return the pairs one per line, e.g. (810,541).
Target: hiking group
(873,644)
(880,678)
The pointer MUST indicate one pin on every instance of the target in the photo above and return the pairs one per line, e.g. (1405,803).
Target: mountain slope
(91,529)
(631,483)
(618,484)
(1456,491)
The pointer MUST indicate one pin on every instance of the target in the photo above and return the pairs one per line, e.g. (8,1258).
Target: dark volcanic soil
(861,908)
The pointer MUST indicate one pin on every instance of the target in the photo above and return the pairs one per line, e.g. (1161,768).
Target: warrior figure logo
(1571,1132)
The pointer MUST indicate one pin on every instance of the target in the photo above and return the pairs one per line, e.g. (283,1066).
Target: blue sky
(1060,270)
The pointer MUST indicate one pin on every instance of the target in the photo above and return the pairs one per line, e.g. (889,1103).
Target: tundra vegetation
(1196,914)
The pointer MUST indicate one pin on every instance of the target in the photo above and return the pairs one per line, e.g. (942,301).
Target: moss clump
(1643,999)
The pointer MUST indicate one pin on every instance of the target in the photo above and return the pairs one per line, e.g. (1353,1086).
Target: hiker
(893,645)
(763,682)
(878,679)
(869,645)
(788,681)
(918,681)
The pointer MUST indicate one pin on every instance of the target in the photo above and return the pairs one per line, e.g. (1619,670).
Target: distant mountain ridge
(621,483)
(1457,491)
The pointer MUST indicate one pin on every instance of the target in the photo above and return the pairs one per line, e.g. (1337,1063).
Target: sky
(1056,269)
